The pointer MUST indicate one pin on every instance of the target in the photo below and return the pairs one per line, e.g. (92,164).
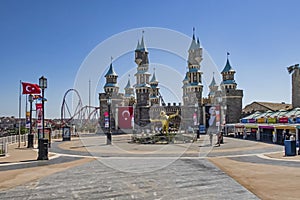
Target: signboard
(27,119)
(244,121)
(261,120)
(251,120)
(106,120)
(202,129)
(283,120)
(66,133)
(272,120)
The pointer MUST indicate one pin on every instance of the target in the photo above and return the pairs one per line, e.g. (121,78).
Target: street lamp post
(30,135)
(43,142)
(108,136)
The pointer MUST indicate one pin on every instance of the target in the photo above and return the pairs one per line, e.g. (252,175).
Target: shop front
(266,133)
(284,132)
(251,130)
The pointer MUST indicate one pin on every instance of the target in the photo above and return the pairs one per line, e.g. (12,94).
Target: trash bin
(290,147)
(30,141)
(43,149)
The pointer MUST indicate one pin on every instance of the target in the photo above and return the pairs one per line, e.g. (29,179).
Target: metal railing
(14,139)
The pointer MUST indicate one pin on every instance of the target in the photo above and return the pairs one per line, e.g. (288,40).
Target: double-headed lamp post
(30,136)
(43,86)
(43,143)
(108,136)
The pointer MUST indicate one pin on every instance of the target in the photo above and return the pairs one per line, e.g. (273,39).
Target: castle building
(147,101)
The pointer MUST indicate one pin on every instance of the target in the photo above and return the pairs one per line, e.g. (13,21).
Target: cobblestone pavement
(115,175)
(183,179)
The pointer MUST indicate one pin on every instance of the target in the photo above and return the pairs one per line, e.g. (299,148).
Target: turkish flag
(125,116)
(30,88)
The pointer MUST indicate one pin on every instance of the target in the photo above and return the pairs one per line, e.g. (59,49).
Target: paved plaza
(87,168)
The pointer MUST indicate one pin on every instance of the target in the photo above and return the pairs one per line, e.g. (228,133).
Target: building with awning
(269,126)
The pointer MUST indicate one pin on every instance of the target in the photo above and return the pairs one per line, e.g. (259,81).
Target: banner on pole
(39,113)
(125,116)
(27,119)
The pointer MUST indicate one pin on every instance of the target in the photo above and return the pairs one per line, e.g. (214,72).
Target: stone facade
(228,97)
(233,100)
(148,103)
(296,88)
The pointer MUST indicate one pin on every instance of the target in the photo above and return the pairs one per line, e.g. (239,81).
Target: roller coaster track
(77,114)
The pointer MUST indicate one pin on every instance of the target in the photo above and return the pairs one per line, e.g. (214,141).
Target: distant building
(265,106)
(295,70)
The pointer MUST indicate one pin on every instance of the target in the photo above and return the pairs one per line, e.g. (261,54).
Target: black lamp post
(43,86)
(30,135)
(43,143)
(108,136)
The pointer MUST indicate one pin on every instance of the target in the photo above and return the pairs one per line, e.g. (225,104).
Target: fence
(13,139)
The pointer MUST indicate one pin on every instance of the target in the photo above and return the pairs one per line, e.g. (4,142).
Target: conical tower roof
(111,71)
(213,81)
(128,84)
(227,67)
(194,44)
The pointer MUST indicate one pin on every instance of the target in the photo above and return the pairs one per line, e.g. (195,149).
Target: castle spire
(138,46)
(128,83)
(193,33)
(142,45)
(153,80)
(111,71)
(193,45)
(213,81)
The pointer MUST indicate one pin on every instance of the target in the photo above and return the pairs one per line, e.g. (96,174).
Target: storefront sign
(261,120)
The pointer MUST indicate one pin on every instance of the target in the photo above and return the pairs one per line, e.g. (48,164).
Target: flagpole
(26,102)
(20,98)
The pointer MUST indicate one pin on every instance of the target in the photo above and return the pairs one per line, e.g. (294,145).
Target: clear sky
(52,38)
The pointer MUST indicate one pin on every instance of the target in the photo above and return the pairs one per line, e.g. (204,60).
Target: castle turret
(111,85)
(192,84)
(228,77)
(129,97)
(142,86)
(154,92)
(231,96)
(213,88)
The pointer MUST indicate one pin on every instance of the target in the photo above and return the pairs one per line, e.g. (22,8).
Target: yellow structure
(165,120)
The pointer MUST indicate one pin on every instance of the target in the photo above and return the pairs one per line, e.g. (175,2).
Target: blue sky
(52,38)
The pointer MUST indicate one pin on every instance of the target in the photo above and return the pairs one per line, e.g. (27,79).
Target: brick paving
(133,171)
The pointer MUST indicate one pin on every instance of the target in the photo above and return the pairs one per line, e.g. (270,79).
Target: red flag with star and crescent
(30,88)
(125,117)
